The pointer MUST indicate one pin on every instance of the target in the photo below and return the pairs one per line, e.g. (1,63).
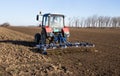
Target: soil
(19,56)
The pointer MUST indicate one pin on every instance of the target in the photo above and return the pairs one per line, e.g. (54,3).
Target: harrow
(54,30)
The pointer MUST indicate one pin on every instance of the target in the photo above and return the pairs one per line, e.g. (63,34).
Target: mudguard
(65,30)
(48,29)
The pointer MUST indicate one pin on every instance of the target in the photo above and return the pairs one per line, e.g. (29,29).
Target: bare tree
(95,21)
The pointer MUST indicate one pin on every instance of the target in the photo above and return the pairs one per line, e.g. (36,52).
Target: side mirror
(37,17)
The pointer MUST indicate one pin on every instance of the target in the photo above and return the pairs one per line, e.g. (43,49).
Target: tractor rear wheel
(37,38)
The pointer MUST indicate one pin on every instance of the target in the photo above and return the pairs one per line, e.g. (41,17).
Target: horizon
(24,12)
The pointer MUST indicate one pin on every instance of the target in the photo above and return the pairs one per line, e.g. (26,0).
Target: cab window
(45,20)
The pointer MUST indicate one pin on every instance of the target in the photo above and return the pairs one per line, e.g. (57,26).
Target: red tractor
(52,26)
(54,33)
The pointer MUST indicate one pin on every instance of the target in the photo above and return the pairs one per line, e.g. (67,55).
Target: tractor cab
(53,21)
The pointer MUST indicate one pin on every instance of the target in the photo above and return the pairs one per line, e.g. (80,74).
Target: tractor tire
(37,38)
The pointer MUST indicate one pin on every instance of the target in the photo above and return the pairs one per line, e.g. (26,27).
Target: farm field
(19,56)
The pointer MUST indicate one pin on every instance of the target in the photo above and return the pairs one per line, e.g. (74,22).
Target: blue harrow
(62,44)
(53,27)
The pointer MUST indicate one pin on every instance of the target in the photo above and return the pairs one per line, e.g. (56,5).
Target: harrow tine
(44,52)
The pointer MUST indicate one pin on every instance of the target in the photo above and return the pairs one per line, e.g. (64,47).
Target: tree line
(94,21)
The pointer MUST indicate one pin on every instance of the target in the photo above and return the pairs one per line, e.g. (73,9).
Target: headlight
(67,34)
(50,34)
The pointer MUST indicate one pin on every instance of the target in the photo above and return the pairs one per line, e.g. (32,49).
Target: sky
(23,12)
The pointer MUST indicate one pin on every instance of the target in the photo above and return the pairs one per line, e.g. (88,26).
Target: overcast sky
(23,12)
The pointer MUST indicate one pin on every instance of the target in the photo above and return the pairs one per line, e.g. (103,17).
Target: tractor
(54,33)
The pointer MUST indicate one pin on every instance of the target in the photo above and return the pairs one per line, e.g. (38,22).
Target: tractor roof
(53,14)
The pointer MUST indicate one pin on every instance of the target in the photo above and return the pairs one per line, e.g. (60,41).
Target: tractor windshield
(56,22)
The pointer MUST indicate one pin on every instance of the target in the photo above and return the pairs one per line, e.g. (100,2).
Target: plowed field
(19,56)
